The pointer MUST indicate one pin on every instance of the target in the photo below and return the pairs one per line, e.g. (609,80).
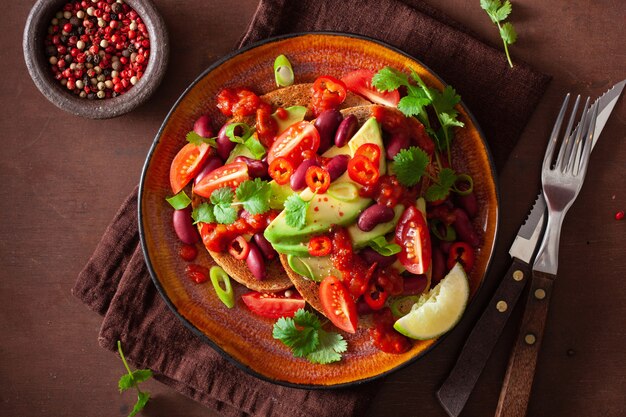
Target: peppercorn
(619,215)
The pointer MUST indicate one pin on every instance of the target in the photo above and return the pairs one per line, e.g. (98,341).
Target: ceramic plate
(241,336)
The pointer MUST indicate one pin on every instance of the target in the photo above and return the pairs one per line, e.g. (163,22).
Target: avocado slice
(360,239)
(292,248)
(315,268)
(294,114)
(278,194)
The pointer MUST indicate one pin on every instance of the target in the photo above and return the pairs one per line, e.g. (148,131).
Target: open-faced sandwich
(339,194)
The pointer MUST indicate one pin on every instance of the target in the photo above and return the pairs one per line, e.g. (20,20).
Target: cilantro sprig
(304,335)
(194,138)
(409,165)
(132,379)
(295,211)
(498,12)
(443,184)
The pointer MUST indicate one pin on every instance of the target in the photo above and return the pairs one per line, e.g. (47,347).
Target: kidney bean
(439,265)
(298,179)
(396,143)
(203,127)
(211,164)
(326,124)
(414,284)
(255,262)
(256,168)
(370,256)
(183,226)
(469,204)
(464,228)
(374,215)
(345,131)
(337,166)
(264,246)
(224,144)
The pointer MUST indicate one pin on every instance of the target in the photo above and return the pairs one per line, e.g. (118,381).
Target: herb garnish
(442,186)
(409,165)
(133,379)
(304,335)
(498,12)
(295,211)
(193,137)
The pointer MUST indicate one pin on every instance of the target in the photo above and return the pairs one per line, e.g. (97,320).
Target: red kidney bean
(298,179)
(337,166)
(345,131)
(370,256)
(414,284)
(439,265)
(363,308)
(396,143)
(469,204)
(464,229)
(326,124)
(374,215)
(264,246)
(183,226)
(211,164)
(255,262)
(203,127)
(224,144)
(256,168)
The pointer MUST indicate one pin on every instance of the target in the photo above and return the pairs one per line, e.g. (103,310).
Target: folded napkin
(116,284)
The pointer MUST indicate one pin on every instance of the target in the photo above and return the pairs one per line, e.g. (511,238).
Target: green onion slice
(402,306)
(463,185)
(381,246)
(230,132)
(226,295)
(255,147)
(179,201)
(437,228)
(283,73)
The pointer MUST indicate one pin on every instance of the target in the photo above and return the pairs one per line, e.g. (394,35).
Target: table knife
(456,389)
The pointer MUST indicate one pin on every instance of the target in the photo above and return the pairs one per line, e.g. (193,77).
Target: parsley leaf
(295,211)
(179,201)
(254,195)
(331,346)
(203,214)
(409,165)
(133,379)
(383,247)
(194,138)
(498,12)
(440,190)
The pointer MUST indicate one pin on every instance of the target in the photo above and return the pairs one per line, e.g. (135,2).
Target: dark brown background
(63,178)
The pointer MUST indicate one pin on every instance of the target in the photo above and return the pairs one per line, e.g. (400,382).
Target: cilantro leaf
(222,196)
(413,106)
(448,121)
(440,190)
(383,247)
(331,345)
(254,195)
(295,211)
(409,165)
(388,79)
(490,6)
(194,138)
(133,379)
(503,11)
(302,340)
(498,12)
(142,399)
(179,201)
(306,318)
(225,214)
(203,214)
(508,34)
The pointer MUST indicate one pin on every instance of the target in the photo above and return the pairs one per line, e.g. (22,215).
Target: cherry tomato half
(463,253)
(412,234)
(239,248)
(363,171)
(360,82)
(273,305)
(338,305)
(320,246)
(317,179)
(371,151)
(186,164)
(280,170)
(291,144)
(328,93)
(230,175)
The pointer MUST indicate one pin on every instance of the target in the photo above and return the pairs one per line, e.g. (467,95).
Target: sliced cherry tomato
(412,234)
(186,164)
(237,102)
(230,175)
(293,142)
(360,82)
(371,151)
(463,253)
(385,337)
(317,179)
(280,170)
(320,246)
(239,248)
(375,296)
(273,305)
(338,305)
(363,171)
(328,93)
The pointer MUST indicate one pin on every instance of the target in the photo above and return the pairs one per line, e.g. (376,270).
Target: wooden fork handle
(518,381)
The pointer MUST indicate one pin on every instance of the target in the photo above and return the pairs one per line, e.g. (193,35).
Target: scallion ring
(226,295)
(283,73)
(442,231)
(463,185)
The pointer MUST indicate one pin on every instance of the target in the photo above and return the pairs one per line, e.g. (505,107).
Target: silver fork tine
(567,142)
(547,160)
(582,167)
(580,135)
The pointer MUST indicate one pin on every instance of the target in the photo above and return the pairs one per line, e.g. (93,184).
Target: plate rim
(205,338)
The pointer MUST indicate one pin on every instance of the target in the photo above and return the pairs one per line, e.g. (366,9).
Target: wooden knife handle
(457,388)
(518,381)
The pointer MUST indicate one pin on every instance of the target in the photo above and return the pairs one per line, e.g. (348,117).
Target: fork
(561,182)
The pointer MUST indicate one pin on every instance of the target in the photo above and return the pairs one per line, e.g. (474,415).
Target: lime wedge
(438,310)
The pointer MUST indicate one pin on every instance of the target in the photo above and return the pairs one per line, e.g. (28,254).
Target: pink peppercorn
(619,215)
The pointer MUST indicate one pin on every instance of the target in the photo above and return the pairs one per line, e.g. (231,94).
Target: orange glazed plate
(241,336)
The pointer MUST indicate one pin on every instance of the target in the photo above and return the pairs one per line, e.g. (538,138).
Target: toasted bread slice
(277,279)
(309,290)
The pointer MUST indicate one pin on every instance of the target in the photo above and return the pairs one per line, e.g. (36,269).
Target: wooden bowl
(39,68)
(241,336)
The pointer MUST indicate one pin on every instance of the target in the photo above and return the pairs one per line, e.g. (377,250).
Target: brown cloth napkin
(116,284)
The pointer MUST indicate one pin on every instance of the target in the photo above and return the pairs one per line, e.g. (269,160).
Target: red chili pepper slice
(362,170)
(328,93)
(320,246)
(317,179)
(371,151)
(463,253)
(375,296)
(239,248)
(281,170)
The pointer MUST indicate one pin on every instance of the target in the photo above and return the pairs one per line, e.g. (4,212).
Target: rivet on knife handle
(455,391)
(518,381)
